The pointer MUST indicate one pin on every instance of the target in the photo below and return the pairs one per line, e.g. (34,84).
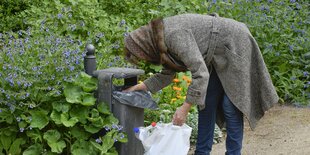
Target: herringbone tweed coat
(195,42)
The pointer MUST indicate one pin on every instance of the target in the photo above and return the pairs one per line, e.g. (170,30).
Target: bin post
(129,117)
(90,59)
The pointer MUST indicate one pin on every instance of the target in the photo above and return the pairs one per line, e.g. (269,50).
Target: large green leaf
(107,143)
(53,140)
(35,135)
(88,100)
(57,147)
(91,128)
(6,141)
(52,135)
(16,146)
(55,116)
(80,112)
(103,108)
(73,93)
(87,82)
(68,122)
(82,147)
(61,106)
(39,119)
(79,133)
(35,149)
(6,116)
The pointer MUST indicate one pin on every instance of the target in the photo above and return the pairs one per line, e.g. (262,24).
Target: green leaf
(55,116)
(15,147)
(88,100)
(57,147)
(91,128)
(90,85)
(34,149)
(103,108)
(81,113)
(35,135)
(52,137)
(107,143)
(6,141)
(79,133)
(61,106)
(87,82)
(6,116)
(39,119)
(94,113)
(82,147)
(73,93)
(68,122)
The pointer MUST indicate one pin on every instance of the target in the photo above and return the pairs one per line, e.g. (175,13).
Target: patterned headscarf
(141,45)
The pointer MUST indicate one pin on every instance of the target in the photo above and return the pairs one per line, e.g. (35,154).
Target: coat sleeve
(182,43)
(159,80)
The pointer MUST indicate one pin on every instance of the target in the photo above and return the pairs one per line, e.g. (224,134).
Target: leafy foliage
(71,120)
(42,49)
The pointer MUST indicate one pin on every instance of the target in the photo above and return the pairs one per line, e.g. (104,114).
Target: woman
(229,76)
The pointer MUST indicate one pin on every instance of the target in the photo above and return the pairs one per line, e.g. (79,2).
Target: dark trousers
(207,117)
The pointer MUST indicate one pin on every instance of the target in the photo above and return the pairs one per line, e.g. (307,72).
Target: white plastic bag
(165,139)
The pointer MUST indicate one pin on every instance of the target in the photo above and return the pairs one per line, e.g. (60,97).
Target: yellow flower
(179,96)
(172,100)
(140,82)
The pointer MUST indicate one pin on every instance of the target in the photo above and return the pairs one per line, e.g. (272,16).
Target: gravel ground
(284,130)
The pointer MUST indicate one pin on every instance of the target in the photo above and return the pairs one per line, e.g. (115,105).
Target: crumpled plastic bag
(141,99)
(165,139)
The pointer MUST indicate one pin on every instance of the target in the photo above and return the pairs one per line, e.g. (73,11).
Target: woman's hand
(180,115)
(140,86)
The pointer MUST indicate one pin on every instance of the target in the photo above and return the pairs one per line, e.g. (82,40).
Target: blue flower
(71,68)
(126,34)
(293,78)
(107,128)
(123,22)
(292,1)
(291,47)
(270,1)
(0,110)
(121,136)
(18,119)
(98,140)
(21,129)
(59,16)
(306,73)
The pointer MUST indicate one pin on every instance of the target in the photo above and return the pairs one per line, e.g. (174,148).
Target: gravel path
(284,130)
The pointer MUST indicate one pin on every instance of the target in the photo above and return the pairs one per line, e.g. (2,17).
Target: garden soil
(284,130)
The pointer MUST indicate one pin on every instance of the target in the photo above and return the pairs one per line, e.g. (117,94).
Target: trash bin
(129,115)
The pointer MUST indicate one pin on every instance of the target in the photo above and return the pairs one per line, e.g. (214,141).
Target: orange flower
(176,80)
(189,80)
(184,77)
(176,88)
